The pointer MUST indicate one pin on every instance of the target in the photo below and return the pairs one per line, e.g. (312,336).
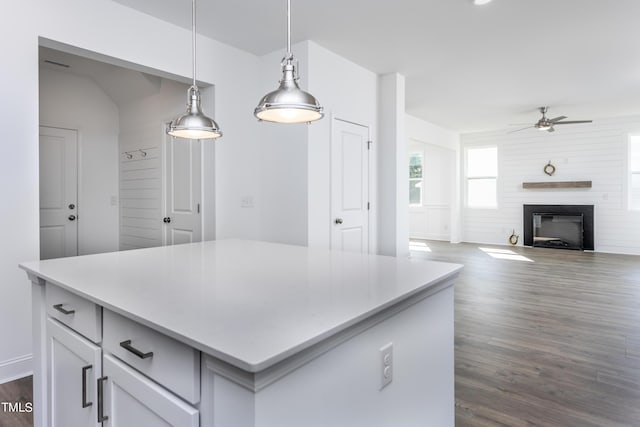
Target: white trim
(18,367)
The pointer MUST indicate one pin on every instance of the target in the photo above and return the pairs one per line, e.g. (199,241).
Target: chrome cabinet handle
(338,221)
(62,310)
(166,219)
(85,404)
(127,346)
(101,416)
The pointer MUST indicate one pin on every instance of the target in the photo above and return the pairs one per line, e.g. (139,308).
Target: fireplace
(559,226)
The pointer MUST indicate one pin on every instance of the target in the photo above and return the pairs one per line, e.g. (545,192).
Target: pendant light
(289,103)
(194,124)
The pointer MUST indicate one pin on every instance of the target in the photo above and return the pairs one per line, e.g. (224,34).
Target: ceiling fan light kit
(548,124)
(481,2)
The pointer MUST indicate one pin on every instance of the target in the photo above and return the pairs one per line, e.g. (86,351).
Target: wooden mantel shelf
(557,184)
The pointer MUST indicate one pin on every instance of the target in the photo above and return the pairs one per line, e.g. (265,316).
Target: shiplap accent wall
(595,152)
(141,189)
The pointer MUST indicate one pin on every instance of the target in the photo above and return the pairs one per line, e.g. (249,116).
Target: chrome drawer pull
(85,404)
(127,346)
(62,310)
(101,416)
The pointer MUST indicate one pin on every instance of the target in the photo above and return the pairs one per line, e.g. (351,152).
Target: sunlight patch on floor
(505,254)
(419,246)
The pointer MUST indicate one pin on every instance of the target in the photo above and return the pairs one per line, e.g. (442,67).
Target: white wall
(19,166)
(139,39)
(393,173)
(439,215)
(348,92)
(595,152)
(274,174)
(73,102)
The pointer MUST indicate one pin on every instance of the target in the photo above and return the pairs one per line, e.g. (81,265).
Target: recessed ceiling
(467,67)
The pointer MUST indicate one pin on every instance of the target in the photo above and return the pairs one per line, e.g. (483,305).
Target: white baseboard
(18,367)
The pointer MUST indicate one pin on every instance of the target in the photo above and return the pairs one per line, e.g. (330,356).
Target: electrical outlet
(386,365)
(246,202)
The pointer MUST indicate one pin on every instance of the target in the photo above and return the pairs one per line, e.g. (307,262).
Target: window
(482,173)
(416,160)
(634,172)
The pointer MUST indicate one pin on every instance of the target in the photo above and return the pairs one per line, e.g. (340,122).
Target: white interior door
(182,220)
(349,186)
(58,192)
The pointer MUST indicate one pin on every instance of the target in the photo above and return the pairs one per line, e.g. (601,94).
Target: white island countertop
(251,304)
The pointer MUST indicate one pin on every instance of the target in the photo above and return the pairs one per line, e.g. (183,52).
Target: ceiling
(467,68)
(122,85)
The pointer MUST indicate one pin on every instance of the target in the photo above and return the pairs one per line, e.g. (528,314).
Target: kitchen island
(237,333)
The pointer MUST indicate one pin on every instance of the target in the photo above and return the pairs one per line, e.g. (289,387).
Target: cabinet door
(74,365)
(133,400)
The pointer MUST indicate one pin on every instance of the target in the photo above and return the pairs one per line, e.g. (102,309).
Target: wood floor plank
(18,391)
(544,337)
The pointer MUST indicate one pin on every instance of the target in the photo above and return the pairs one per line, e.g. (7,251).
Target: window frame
(467,178)
(421,179)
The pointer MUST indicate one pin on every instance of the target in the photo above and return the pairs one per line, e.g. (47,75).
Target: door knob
(338,221)
(166,219)
(72,206)
(72,217)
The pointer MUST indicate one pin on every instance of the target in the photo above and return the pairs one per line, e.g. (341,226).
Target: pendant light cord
(193,39)
(289,29)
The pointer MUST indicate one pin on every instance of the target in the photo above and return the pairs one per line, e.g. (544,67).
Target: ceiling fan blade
(518,130)
(557,119)
(551,129)
(571,122)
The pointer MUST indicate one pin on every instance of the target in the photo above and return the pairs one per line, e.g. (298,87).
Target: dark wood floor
(18,391)
(544,337)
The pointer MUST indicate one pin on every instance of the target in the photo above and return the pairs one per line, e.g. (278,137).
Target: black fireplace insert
(559,226)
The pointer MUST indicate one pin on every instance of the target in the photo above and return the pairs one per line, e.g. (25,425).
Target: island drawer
(76,312)
(172,364)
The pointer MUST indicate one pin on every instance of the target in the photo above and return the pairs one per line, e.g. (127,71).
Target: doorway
(58,192)
(349,186)
(182,221)
(122,182)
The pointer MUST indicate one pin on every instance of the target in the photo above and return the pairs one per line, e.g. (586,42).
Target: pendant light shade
(194,124)
(289,103)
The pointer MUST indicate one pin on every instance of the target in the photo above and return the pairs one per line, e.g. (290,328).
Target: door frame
(334,118)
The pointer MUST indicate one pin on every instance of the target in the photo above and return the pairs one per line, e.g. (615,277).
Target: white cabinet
(74,366)
(133,400)
(109,382)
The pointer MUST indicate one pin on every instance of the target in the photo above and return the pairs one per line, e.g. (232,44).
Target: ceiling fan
(547,124)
